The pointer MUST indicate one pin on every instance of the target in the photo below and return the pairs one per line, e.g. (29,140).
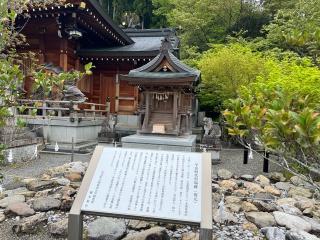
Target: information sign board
(166,186)
(144,183)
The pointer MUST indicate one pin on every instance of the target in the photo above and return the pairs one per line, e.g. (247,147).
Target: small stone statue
(107,133)
(212,133)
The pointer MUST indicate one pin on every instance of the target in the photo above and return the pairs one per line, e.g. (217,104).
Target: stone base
(65,130)
(22,153)
(108,137)
(171,143)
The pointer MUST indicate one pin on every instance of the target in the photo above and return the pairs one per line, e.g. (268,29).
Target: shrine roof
(160,75)
(105,16)
(142,46)
(163,67)
(147,43)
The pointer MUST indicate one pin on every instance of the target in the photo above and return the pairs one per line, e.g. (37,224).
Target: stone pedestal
(173,143)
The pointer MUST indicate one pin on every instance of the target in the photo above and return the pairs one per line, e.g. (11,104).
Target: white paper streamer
(221,210)
(35,154)
(10,156)
(250,152)
(56,148)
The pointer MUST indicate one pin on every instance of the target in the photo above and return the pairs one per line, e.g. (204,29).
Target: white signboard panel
(147,183)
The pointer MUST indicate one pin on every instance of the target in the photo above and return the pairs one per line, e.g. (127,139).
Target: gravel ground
(231,160)
(7,234)
(36,167)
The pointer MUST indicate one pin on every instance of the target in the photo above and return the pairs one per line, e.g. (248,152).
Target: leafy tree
(225,69)
(273,6)
(297,29)
(282,122)
(11,76)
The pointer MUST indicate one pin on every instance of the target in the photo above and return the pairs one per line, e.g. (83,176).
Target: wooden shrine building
(71,35)
(167,100)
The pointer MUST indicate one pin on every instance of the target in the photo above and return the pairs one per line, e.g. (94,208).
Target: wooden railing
(46,108)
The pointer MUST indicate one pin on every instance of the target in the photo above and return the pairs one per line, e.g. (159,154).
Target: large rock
(241,193)
(190,236)
(233,207)
(291,221)
(299,191)
(156,233)
(265,206)
(285,186)
(74,176)
(138,224)
(253,187)
(247,177)
(62,181)
(315,224)
(79,167)
(228,184)
(304,203)
(59,229)
(224,174)
(45,204)
(300,235)
(39,185)
(17,191)
(250,227)
(295,180)
(290,210)
(276,177)
(272,190)
(264,196)
(273,233)
(29,224)
(248,207)
(20,209)
(106,229)
(2,217)
(226,217)
(261,219)
(286,201)
(232,199)
(12,199)
(262,180)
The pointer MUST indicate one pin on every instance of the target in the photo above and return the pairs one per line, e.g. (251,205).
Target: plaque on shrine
(167,186)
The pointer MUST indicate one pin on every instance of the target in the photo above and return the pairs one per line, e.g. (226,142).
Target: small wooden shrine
(167,101)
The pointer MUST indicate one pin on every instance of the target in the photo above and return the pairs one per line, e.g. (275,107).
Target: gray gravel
(232,160)
(6,233)
(37,167)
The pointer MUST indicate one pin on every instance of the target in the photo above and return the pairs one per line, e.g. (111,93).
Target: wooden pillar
(175,110)
(77,64)
(41,49)
(63,54)
(147,114)
(117,94)
(136,98)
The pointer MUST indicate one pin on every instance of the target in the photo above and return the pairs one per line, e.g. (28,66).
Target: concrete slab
(181,143)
